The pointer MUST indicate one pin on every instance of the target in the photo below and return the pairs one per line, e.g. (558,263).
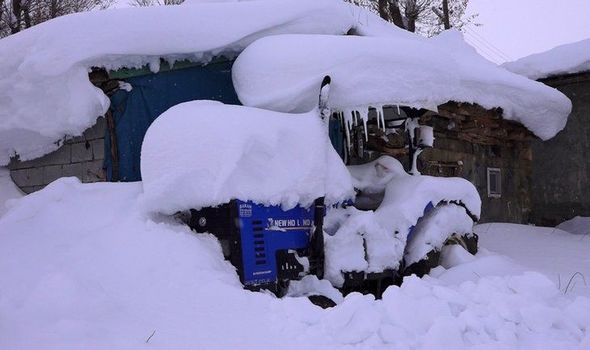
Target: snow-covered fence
(80,156)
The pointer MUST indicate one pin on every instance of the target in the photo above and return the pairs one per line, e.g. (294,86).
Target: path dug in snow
(74,277)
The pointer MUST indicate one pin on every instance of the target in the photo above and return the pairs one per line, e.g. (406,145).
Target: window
(494,183)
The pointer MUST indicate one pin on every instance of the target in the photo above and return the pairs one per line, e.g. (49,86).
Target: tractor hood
(282,73)
(204,153)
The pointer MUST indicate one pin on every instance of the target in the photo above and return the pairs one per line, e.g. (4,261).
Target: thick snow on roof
(204,153)
(45,92)
(565,59)
(396,68)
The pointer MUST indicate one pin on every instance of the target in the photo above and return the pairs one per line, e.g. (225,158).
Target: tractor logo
(245,210)
(287,224)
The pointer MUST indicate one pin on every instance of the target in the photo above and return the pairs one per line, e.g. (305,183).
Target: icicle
(399,112)
(414,170)
(364,116)
(381,115)
(154,64)
(347,127)
(347,116)
(378,118)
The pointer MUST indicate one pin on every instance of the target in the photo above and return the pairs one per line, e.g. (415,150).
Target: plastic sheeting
(151,95)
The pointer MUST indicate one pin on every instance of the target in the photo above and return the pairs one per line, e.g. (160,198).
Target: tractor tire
(321,301)
(447,223)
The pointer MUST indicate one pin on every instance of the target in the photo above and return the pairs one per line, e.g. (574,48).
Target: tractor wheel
(321,301)
(447,223)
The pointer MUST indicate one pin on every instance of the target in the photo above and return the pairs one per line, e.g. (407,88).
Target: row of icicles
(352,117)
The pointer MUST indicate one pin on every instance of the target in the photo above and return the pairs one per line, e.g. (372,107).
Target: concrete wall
(561,170)
(80,156)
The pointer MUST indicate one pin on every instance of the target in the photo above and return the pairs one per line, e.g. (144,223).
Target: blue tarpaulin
(151,95)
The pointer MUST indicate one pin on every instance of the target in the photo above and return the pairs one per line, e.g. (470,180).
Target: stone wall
(453,157)
(83,157)
(561,170)
(80,156)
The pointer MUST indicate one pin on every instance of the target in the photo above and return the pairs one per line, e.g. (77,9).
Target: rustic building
(561,166)
(561,170)
(478,145)
(470,141)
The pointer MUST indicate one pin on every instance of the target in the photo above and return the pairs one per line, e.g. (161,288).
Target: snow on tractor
(279,198)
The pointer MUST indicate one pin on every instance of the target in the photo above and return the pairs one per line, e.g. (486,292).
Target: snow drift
(8,190)
(565,59)
(577,225)
(204,153)
(45,92)
(388,70)
(110,278)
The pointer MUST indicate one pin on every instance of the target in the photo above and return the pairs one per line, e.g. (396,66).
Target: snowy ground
(8,189)
(82,268)
(562,256)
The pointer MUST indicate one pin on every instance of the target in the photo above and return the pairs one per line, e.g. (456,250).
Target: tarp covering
(151,95)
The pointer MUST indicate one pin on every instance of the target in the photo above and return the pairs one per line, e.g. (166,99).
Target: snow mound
(396,68)
(45,92)
(110,278)
(8,190)
(374,176)
(406,197)
(560,255)
(204,153)
(565,59)
(578,225)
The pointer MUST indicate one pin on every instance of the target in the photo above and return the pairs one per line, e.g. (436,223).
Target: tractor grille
(259,244)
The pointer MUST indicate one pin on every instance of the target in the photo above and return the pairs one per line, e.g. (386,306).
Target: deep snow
(49,64)
(394,68)
(564,59)
(562,256)
(204,153)
(81,267)
(45,92)
(8,189)
(577,225)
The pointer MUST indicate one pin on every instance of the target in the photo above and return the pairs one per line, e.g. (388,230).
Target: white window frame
(498,172)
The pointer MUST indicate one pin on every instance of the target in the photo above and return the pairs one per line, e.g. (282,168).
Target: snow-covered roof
(565,59)
(204,153)
(394,68)
(45,92)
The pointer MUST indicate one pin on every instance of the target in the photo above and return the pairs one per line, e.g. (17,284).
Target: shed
(561,166)
(483,116)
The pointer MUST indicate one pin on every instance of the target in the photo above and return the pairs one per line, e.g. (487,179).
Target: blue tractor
(270,246)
